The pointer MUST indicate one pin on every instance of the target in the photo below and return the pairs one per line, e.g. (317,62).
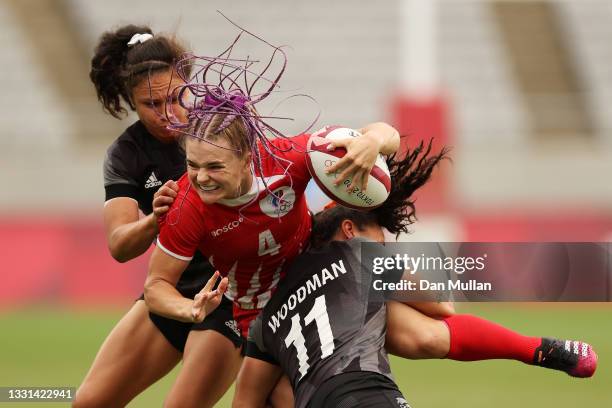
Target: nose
(203,176)
(162,116)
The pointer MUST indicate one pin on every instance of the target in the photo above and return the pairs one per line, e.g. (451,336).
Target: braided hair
(398,212)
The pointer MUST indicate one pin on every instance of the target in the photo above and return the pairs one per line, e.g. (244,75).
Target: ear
(348,228)
(248,157)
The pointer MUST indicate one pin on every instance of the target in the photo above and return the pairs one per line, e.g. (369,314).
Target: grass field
(51,346)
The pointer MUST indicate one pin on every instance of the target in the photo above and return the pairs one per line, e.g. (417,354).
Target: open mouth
(208,189)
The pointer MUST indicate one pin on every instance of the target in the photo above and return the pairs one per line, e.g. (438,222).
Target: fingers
(200,300)
(211,282)
(339,165)
(168,190)
(357,179)
(164,197)
(345,174)
(333,144)
(365,176)
(161,205)
(173,185)
(222,288)
(206,300)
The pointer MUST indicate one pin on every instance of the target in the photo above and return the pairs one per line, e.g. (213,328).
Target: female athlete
(133,68)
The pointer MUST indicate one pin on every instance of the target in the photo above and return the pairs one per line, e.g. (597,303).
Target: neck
(245,185)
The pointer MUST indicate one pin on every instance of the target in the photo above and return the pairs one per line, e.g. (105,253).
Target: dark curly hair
(117,68)
(398,211)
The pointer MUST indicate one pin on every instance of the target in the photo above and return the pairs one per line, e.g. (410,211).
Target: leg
(414,335)
(255,383)
(282,394)
(437,310)
(210,365)
(134,355)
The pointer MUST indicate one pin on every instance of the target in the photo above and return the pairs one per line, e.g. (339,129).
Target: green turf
(52,346)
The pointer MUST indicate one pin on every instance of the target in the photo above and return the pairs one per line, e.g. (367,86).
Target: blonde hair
(217,126)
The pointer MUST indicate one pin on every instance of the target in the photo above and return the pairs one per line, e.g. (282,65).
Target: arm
(162,297)
(129,236)
(255,382)
(387,136)
(362,152)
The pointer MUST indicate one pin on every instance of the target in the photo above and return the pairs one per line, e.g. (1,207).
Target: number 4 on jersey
(318,313)
(267,244)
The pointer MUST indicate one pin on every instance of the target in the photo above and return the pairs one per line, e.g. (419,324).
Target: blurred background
(522,91)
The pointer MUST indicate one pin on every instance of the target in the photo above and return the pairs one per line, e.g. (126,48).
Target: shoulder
(292,153)
(187,194)
(188,204)
(296,143)
(128,143)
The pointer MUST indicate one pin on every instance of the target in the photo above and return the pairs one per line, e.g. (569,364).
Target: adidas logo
(234,326)
(153,181)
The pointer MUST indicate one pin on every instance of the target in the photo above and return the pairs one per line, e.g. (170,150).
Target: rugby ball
(318,159)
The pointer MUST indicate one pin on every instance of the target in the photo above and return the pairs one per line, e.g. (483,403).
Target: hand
(207,300)
(164,197)
(361,154)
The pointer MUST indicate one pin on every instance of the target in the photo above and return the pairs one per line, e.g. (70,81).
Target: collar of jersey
(254,191)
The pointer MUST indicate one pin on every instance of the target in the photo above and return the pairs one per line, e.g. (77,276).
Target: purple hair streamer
(232,93)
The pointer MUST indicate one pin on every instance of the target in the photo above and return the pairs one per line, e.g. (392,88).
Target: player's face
(373,232)
(216,172)
(153,104)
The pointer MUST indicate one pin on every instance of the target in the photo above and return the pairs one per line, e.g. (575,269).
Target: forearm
(163,299)
(387,135)
(131,240)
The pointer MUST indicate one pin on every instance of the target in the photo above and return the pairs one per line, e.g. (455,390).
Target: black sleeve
(120,171)
(255,344)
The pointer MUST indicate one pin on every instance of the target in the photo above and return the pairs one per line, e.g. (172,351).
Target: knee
(282,394)
(87,398)
(178,400)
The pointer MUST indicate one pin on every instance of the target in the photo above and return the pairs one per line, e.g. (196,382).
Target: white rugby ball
(319,159)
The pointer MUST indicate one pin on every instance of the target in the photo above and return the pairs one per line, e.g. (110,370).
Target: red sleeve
(182,229)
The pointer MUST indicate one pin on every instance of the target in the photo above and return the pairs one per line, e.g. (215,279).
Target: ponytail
(116,67)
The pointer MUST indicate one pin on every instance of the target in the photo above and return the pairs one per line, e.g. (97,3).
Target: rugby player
(132,68)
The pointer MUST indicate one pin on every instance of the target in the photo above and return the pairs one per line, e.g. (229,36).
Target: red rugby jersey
(250,245)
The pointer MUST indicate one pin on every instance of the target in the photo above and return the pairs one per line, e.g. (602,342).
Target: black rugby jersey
(135,166)
(324,320)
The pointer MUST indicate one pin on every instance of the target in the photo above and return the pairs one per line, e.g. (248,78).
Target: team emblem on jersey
(279,203)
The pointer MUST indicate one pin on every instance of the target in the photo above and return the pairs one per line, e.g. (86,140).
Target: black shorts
(220,320)
(361,389)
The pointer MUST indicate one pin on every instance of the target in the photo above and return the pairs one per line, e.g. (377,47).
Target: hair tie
(139,38)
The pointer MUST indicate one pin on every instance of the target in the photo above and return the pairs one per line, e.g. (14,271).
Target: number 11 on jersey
(318,313)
